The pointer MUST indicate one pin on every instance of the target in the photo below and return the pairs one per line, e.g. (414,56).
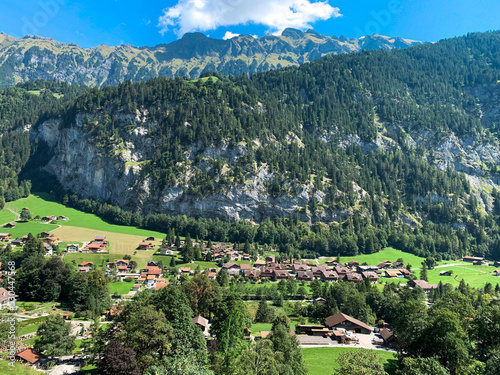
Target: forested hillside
(346,154)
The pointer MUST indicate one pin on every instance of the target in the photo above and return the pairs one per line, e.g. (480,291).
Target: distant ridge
(35,57)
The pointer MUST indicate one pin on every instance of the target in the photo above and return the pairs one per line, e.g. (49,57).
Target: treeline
(296,239)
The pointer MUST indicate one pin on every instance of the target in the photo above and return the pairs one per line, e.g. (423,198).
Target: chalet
(213,275)
(62,217)
(145,245)
(166,251)
(310,329)
(29,356)
(259,263)
(5,236)
(318,271)
(367,268)
(150,239)
(48,249)
(24,238)
(347,322)
(479,262)
(99,238)
(161,285)
(370,275)
(270,259)
(122,262)
(232,255)
(266,272)
(341,270)
(52,240)
(156,271)
(150,281)
(306,276)
(136,287)
(246,256)
(497,273)
(329,275)
(387,336)
(233,271)
(397,265)
(122,269)
(280,274)
(299,267)
(201,322)
(85,266)
(352,264)
(445,273)
(277,266)
(472,259)
(95,247)
(230,265)
(72,248)
(185,270)
(245,267)
(17,242)
(353,278)
(10,225)
(405,273)
(393,274)
(384,265)
(251,274)
(45,234)
(422,284)
(331,261)
(48,218)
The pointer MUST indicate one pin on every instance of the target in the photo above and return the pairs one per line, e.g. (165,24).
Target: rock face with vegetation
(33,57)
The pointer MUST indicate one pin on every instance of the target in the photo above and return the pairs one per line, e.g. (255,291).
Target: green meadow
(323,361)
(120,287)
(388,253)
(42,204)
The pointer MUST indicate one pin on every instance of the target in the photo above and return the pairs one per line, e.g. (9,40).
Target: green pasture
(42,204)
(323,361)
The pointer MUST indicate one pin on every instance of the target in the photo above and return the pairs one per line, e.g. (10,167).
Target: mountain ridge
(34,57)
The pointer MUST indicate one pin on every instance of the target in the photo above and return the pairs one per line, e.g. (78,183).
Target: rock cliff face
(116,176)
(34,57)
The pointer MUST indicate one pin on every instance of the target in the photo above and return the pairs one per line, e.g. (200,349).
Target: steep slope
(35,57)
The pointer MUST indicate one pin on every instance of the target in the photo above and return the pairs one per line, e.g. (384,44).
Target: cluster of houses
(151,277)
(97,245)
(309,271)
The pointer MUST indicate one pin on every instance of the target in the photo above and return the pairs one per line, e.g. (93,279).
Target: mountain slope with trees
(367,149)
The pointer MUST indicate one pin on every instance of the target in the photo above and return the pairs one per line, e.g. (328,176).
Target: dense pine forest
(314,126)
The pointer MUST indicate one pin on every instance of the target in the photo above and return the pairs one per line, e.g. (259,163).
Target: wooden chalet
(347,322)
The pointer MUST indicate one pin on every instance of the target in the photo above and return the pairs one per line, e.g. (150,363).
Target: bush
(128,279)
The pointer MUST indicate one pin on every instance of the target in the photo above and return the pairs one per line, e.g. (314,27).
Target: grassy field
(475,276)
(121,287)
(388,253)
(32,227)
(29,329)
(323,361)
(6,217)
(99,260)
(41,204)
(18,369)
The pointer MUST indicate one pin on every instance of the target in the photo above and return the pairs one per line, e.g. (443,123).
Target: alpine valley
(405,139)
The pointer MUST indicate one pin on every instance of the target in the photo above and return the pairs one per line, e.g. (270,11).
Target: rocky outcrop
(33,57)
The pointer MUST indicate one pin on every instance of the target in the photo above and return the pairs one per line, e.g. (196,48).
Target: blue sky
(92,22)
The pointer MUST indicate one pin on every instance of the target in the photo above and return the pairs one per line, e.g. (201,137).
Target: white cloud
(202,15)
(229,35)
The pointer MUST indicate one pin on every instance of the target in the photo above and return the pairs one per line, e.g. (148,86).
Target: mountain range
(34,57)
